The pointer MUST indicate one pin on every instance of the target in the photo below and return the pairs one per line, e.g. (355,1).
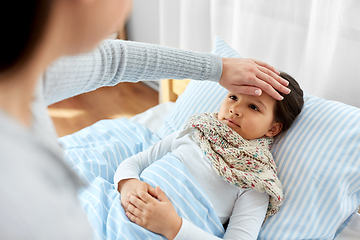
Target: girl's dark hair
(22,26)
(290,107)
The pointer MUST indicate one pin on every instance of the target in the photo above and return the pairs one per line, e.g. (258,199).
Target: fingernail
(257,92)
(281,98)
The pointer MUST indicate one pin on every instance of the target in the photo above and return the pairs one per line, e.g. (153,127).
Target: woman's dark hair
(22,26)
(290,107)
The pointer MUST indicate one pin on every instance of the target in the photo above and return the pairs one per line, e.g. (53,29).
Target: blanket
(94,154)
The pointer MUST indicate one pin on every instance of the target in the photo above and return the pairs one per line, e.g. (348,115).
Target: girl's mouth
(231,122)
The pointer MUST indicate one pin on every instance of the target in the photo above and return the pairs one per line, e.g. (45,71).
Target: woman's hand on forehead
(251,77)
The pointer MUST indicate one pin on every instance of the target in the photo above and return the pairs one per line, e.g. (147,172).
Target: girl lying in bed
(228,153)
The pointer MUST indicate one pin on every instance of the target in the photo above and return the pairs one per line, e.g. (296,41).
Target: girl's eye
(252,106)
(233,97)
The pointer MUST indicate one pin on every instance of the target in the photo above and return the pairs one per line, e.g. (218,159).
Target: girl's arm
(134,165)
(154,211)
(244,224)
(127,174)
(247,216)
(160,216)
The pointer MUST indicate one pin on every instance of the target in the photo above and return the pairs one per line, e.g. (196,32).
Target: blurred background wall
(317,42)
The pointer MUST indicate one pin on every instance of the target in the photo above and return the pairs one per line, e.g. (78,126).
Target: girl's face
(90,21)
(250,116)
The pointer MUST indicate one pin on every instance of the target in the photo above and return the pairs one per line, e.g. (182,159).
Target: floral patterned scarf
(243,163)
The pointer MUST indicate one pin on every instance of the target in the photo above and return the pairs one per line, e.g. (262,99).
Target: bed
(318,161)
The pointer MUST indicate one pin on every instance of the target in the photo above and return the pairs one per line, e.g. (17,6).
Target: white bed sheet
(352,230)
(153,118)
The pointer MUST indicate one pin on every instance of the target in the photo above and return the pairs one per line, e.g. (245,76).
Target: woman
(38,191)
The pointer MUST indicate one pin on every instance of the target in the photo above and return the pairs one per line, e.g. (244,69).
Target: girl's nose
(234,112)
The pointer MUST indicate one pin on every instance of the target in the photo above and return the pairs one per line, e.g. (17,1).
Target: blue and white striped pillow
(319,165)
(318,160)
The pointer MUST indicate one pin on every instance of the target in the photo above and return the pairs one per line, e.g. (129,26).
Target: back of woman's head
(22,26)
(290,107)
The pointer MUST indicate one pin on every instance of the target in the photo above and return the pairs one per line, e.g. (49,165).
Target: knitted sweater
(38,189)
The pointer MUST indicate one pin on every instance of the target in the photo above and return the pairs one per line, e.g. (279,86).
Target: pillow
(319,165)
(318,160)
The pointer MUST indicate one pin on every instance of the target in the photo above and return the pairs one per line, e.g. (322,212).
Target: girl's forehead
(264,97)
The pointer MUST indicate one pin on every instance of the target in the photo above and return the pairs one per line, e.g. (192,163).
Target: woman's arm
(117,61)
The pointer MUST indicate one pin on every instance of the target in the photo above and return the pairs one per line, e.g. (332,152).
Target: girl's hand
(248,76)
(157,215)
(129,186)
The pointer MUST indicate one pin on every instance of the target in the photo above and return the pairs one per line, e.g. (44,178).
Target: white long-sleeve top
(245,208)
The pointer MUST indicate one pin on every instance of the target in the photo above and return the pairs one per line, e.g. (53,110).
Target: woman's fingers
(265,65)
(268,88)
(248,76)
(276,77)
(269,82)
(272,92)
(274,80)
(248,90)
(256,86)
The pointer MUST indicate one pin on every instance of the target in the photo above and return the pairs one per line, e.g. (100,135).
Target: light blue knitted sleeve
(117,61)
